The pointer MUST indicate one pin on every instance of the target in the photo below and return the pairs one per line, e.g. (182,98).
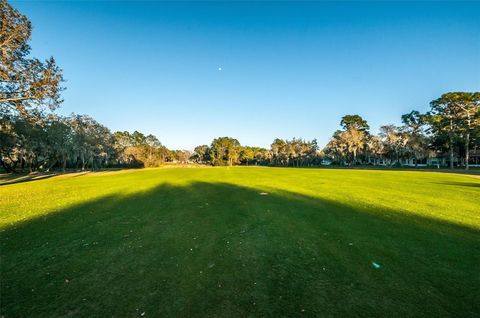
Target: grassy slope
(202,241)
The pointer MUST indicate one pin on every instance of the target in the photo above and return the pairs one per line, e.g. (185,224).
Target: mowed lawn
(240,242)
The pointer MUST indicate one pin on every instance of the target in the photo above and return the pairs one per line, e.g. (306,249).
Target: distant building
(443,160)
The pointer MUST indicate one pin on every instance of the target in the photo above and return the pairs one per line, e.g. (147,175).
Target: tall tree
(59,139)
(394,141)
(336,148)
(225,151)
(201,154)
(247,154)
(355,140)
(416,141)
(468,112)
(350,142)
(413,121)
(373,148)
(456,115)
(354,121)
(278,148)
(27,85)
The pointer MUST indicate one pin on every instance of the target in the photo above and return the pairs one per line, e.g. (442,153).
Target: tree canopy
(27,85)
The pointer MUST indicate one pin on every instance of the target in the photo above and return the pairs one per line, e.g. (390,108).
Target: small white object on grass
(263,193)
(375,265)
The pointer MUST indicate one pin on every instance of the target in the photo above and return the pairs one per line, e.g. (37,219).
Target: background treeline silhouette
(49,141)
(34,138)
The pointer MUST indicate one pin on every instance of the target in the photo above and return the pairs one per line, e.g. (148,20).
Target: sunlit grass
(205,242)
(435,195)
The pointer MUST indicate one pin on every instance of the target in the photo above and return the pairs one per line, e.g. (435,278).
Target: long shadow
(475,172)
(8,178)
(12,178)
(221,250)
(462,184)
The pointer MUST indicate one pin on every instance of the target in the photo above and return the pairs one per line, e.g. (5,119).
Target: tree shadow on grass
(461,184)
(223,250)
(11,178)
(474,171)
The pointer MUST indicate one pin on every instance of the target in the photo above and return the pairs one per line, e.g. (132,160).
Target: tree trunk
(451,143)
(30,164)
(54,161)
(451,152)
(83,162)
(467,156)
(64,162)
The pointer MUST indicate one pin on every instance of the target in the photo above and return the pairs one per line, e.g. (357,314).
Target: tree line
(76,142)
(34,138)
(227,151)
(451,126)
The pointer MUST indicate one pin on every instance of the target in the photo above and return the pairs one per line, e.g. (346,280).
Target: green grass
(204,242)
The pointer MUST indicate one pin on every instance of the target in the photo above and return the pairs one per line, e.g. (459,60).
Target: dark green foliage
(354,121)
(225,151)
(295,153)
(28,86)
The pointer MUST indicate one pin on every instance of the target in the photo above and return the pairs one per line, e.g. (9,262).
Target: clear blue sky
(288,69)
